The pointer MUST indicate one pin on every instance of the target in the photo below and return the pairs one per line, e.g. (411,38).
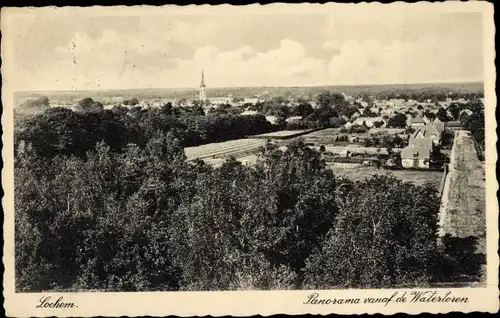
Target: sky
(80,50)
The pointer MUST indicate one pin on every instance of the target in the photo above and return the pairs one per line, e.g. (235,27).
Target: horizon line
(254,86)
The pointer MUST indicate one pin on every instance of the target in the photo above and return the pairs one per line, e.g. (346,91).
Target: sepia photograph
(238,149)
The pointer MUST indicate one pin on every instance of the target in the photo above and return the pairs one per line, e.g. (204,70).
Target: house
(355,116)
(387,111)
(351,138)
(421,142)
(271,119)
(249,112)
(418,152)
(293,119)
(219,100)
(417,122)
(345,153)
(416,156)
(439,125)
(369,121)
(466,111)
(348,125)
(429,131)
(314,104)
(252,101)
(409,118)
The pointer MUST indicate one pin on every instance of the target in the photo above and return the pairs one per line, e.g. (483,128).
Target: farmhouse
(219,100)
(466,111)
(249,112)
(429,131)
(271,119)
(439,125)
(417,122)
(252,101)
(369,121)
(293,119)
(416,156)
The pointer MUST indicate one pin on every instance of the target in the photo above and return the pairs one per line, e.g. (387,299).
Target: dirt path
(463,203)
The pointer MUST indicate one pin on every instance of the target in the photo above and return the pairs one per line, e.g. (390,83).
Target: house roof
(292,118)
(427,130)
(415,152)
(439,125)
(418,120)
(455,123)
(250,112)
(421,142)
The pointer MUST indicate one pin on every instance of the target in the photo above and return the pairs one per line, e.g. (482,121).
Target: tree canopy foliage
(63,131)
(144,219)
(397,121)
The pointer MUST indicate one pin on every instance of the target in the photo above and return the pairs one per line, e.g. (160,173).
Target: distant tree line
(63,131)
(41,102)
(427,94)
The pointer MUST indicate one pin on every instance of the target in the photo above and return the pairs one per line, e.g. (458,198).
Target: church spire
(203,88)
(202,79)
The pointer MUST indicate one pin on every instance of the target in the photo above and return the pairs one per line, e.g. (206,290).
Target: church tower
(203,88)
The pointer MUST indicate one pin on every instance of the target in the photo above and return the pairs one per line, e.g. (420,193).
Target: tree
(330,99)
(89,105)
(40,103)
(447,138)
(454,110)
(442,115)
(429,115)
(475,124)
(397,121)
(368,113)
(303,109)
(385,234)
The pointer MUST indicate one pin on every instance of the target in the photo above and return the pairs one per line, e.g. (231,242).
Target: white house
(417,122)
(369,121)
(415,156)
(428,131)
(249,112)
(271,119)
(293,119)
(252,101)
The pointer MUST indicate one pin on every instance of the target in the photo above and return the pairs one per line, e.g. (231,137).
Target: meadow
(359,173)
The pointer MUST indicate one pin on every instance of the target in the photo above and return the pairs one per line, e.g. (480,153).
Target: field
(224,149)
(356,149)
(390,131)
(283,134)
(359,172)
(324,133)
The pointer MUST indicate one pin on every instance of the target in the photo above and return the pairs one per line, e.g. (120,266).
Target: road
(462,212)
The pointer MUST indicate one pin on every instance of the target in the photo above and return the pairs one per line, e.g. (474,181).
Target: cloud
(331,45)
(425,60)
(286,64)
(344,47)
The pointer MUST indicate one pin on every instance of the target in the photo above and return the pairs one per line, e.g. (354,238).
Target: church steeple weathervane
(203,88)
